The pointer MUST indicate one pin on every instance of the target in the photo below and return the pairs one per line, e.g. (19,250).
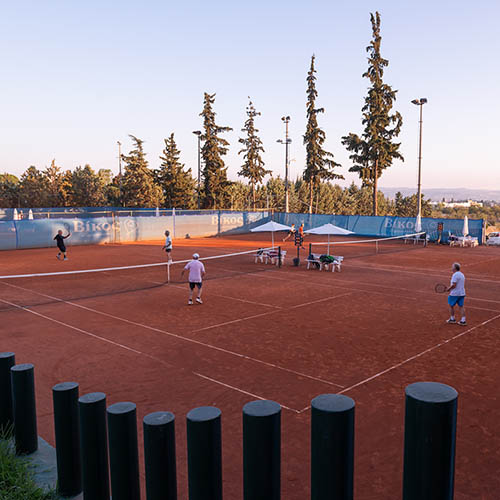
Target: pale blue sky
(78,76)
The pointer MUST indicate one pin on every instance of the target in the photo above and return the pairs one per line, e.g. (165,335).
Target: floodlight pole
(286,142)
(198,133)
(120,169)
(419,102)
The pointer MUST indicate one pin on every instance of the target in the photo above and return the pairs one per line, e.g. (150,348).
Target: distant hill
(437,194)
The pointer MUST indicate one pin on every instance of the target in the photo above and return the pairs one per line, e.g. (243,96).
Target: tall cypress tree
(176,183)
(215,183)
(139,189)
(253,167)
(375,150)
(319,163)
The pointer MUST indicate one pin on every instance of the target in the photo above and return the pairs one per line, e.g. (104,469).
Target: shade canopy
(328,229)
(270,226)
(418,224)
(465,230)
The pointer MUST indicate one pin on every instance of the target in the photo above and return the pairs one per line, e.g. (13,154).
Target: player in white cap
(196,273)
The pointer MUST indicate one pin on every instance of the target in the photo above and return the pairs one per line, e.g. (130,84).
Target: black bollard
(332,447)
(159,456)
(204,453)
(261,450)
(67,433)
(23,392)
(94,446)
(7,361)
(123,453)
(430,434)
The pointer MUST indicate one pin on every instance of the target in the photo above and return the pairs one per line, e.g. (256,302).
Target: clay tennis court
(285,334)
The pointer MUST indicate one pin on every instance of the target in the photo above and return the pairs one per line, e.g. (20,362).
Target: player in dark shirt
(60,243)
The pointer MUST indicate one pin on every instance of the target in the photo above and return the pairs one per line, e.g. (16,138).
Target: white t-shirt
(168,243)
(459,279)
(195,268)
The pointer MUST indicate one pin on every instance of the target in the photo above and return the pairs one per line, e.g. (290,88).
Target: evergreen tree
(375,150)
(177,184)
(87,188)
(215,183)
(139,189)
(319,163)
(253,168)
(56,189)
(33,188)
(239,196)
(9,191)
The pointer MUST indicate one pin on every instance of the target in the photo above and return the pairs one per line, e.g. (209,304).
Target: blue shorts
(454,300)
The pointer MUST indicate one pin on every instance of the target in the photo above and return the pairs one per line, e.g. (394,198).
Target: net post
(168,272)
(310,249)
(429,442)
(279,256)
(261,450)
(159,456)
(94,445)
(7,361)
(204,453)
(332,447)
(23,393)
(123,451)
(376,246)
(67,434)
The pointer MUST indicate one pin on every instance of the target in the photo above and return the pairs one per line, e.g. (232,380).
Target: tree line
(173,185)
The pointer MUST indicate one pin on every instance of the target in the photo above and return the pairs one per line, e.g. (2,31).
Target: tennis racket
(440,288)
(66,226)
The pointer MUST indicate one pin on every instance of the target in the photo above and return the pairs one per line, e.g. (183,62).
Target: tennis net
(369,246)
(132,283)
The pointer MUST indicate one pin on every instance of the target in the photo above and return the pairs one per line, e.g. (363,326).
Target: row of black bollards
(85,428)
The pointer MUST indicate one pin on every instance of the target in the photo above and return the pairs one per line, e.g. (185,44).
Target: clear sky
(78,76)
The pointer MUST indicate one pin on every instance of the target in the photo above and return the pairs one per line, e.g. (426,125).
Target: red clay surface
(284,334)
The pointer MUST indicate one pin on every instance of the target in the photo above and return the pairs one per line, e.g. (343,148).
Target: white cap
(196,256)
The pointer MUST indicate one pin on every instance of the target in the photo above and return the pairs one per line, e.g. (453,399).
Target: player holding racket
(456,295)
(60,244)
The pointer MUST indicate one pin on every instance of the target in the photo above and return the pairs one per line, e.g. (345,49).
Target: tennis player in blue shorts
(60,244)
(168,245)
(456,295)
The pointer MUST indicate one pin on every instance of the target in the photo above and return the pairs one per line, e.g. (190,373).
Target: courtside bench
(314,259)
(270,256)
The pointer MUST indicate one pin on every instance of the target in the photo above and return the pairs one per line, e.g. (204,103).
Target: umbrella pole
(328,245)
(272,236)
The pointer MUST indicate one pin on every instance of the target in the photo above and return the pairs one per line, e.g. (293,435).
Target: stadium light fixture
(419,102)
(286,142)
(198,133)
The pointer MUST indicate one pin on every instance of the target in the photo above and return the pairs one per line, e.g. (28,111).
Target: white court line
(402,270)
(337,280)
(420,354)
(179,337)
(241,390)
(93,335)
(269,312)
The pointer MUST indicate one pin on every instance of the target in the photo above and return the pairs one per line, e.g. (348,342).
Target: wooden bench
(315,260)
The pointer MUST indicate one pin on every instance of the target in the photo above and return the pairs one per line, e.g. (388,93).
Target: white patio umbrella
(328,229)
(30,214)
(465,230)
(418,224)
(15,215)
(271,227)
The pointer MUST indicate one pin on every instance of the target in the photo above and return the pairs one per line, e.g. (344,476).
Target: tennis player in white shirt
(456,295)
(196,273)
(168,245)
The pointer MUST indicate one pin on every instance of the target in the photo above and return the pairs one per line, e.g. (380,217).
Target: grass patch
(16,478)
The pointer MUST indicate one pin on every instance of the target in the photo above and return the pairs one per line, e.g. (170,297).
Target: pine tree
(87,188)
(177,184)
(56,188)
(139,189)
(375,150)
(319,163)
(33,188)
(215,183)
(253,168)
(9,191)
